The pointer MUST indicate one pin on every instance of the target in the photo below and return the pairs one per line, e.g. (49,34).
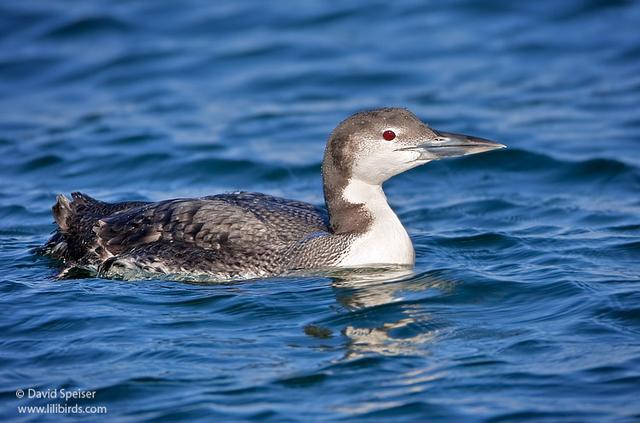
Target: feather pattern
(228,235)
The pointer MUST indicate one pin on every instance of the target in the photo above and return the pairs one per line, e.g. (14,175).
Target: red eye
(388,135)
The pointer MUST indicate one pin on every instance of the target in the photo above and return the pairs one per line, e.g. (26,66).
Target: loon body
(241,235)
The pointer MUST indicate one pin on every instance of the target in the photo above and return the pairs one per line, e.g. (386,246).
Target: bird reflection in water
(386,311)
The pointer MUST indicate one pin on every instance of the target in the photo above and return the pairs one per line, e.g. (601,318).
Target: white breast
(386,241)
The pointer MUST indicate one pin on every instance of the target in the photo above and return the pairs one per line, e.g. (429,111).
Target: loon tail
(66,212)
(74,241)
(62,212)
(75,220)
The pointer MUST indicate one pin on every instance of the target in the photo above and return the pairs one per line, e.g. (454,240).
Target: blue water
(525,302)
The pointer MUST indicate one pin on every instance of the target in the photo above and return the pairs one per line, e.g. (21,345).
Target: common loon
(243,235)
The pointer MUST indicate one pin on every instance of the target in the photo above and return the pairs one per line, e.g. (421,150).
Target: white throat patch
(386,242)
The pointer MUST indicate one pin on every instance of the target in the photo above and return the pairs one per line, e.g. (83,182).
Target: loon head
(373,146)
(370,147)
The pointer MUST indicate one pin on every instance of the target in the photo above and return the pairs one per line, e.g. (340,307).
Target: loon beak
(448,144)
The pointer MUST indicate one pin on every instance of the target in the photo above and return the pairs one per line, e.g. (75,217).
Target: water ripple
(523,302)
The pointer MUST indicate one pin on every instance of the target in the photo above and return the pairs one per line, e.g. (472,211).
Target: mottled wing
(208,224)
(225,223)
(293,220)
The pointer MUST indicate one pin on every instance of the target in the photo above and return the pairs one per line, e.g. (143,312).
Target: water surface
(524,304)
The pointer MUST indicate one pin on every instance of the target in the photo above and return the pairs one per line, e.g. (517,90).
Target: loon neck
(360,209)
(345,215)
(356,207)
(384,241)
(371,199)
